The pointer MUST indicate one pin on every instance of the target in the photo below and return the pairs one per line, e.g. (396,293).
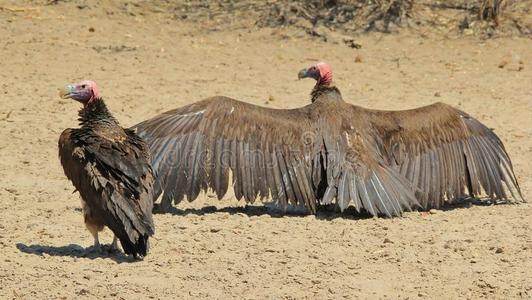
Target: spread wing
(443,151)
(194,147)
(115,180)
(296,156)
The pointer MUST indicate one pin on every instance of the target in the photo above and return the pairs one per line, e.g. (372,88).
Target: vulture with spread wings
(109,166)
(382,162)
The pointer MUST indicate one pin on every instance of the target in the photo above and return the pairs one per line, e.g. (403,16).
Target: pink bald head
(321,72)
(326,75)
(85,91)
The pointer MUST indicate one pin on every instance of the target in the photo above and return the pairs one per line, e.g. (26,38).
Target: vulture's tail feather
(138,248)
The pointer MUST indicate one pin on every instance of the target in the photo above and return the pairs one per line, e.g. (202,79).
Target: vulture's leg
(96,241)
(114,245)
(92,226)
(94,229)
(96,246)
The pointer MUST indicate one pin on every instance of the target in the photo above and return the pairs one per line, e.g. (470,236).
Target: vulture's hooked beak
(67,91)
(302,74)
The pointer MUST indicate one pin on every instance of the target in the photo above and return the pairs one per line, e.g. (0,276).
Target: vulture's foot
(94,249)
(103,250)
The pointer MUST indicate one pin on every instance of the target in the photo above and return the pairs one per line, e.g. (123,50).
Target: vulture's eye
(83,86)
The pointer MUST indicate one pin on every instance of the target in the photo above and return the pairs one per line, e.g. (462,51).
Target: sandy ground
(148,64)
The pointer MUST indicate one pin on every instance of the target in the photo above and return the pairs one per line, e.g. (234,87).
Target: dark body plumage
(383,162)
(109,166)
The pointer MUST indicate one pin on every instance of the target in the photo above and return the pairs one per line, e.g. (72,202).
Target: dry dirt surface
(148,63)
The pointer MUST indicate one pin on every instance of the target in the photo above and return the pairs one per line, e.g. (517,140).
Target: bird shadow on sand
(75,251)
(324,212)
(328,212)
(249,210)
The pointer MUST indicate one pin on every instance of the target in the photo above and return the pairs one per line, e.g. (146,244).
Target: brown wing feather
(443,151)
(115,181)
(195,146)
(357,174)
(296,151)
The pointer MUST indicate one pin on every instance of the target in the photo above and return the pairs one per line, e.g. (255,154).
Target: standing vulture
(383,162)
(109,166)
